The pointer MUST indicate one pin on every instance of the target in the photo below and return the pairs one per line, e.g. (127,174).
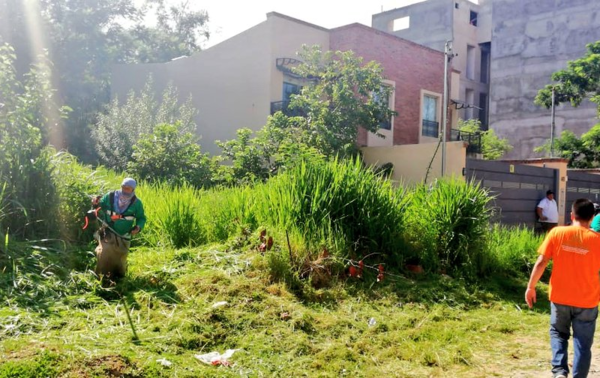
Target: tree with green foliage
(86,37)
(581,152)
(277,146)
(580,80)
(341,95)
(492,146)
(170,154)
(121,126)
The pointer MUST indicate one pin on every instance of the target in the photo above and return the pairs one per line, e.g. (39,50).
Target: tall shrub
(337,200)
(449,221)
(26,115)
(170,155)
(120,128)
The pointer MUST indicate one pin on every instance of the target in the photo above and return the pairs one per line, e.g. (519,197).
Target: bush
(337,202)
(449,221)
(29,196)
(120,128)
(171,155)
(75,184)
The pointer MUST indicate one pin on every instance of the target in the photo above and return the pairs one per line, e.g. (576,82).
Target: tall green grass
(448,224)
(29,196)
(186,216)
(339,205)
(340,201)
(513,249)
(75,185)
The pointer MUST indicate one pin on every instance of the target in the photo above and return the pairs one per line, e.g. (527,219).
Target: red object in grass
(269,243)
(352,271)
(418,269)
(361,266)
(263,233)
(380,275)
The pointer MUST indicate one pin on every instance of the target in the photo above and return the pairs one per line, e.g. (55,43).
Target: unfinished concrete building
(507,51)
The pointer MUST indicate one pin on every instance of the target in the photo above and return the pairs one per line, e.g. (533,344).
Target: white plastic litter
(372,322)
(216,358)
(220,304)
(164,362)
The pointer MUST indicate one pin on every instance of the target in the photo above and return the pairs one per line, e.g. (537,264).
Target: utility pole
(447,56)
(552,118)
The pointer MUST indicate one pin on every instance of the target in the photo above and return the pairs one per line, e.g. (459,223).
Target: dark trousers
(546,226)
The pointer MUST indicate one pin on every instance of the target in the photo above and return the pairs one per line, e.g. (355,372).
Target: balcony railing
(284,107)
(431,128)
(473,140)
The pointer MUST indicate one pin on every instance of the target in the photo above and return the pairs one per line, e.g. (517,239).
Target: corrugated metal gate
(518,188)
(581,185)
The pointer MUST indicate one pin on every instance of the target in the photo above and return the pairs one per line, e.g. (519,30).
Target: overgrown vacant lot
(59,321)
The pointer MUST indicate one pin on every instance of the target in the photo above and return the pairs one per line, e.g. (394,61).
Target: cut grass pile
(56,321)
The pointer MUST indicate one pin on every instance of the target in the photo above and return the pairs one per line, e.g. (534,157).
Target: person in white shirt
(547,211)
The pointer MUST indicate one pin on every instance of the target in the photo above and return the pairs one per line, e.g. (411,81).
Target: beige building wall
(288,35)
(411,161)
(231,84)
(469,64)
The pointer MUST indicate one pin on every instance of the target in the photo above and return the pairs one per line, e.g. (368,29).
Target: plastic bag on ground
(216,358)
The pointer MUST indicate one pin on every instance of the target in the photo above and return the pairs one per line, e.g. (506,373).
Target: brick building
(415,71)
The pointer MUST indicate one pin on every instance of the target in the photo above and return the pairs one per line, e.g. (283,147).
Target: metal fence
(517,188)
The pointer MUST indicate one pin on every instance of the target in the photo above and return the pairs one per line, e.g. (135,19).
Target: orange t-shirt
(575,279)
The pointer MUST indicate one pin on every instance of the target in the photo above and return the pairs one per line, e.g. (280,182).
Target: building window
(385,124)
(430,117)
(473,18)
(456,6)
(485,65)
(470,62)
(401,23)
(290,89)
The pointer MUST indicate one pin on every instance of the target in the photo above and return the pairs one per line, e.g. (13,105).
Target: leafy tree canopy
(492,146)
(580,80)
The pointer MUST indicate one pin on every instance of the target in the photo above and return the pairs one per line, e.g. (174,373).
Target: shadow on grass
(430,289)
(158,288)
(36,277)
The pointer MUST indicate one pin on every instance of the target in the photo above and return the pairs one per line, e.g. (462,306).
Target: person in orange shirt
(574,288)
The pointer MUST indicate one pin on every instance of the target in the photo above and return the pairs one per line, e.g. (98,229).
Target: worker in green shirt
(121,214)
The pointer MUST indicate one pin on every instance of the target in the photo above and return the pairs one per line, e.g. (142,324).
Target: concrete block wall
(531,40)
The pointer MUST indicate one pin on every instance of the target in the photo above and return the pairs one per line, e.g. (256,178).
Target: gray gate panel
(517,188)
(581,185)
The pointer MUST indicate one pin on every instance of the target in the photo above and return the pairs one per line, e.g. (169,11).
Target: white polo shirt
(549,210)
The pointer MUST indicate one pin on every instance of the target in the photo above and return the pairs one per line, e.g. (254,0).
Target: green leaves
(582,152)
(580,80)
(342,94)
(170,154)
(492,147)
(119,129)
